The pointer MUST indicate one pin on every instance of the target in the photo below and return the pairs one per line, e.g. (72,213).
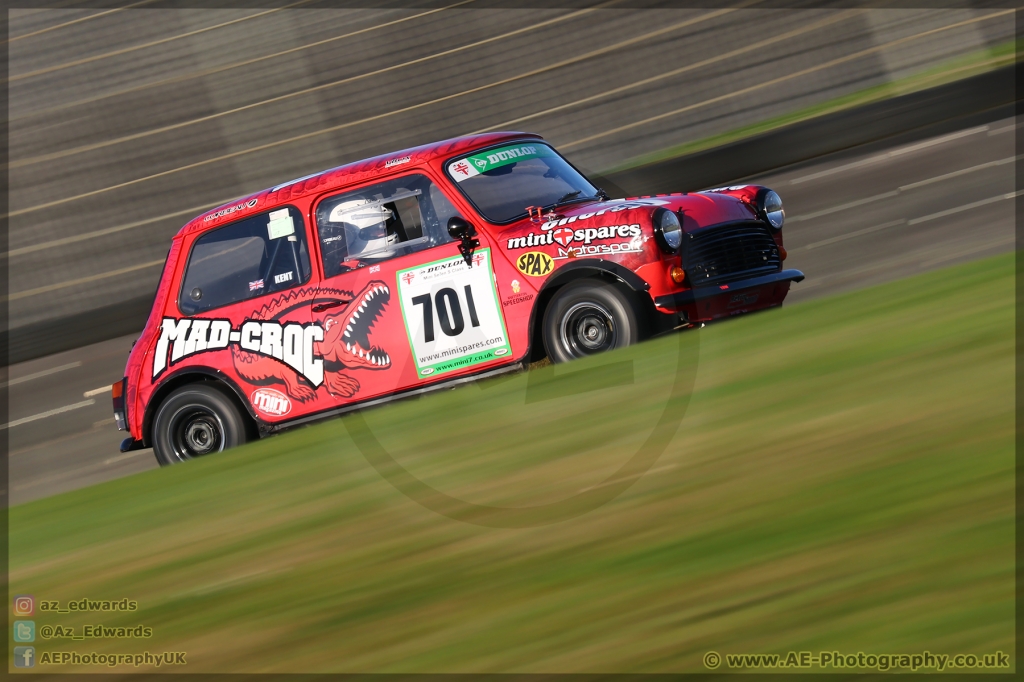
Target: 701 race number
(451,323)
(451,314)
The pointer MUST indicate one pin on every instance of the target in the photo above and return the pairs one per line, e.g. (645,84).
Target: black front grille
(726,253)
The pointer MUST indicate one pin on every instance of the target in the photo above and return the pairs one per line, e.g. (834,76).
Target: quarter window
(246,259)
(382,221)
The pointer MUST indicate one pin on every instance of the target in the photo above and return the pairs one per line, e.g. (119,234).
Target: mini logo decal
(563,235)
(515,286)
(269,401)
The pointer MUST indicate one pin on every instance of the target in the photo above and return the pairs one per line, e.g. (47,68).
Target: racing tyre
(590,316)
(196,420)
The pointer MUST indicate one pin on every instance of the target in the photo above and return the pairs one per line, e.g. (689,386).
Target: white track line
(43,373)
(843,207)
(48,413)
(96,391)
(220,114)
(959,209)
(161,41)
(855,233)
(900,190)
(890,154)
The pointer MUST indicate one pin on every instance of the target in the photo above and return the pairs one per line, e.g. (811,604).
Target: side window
(255,256)
(389,219)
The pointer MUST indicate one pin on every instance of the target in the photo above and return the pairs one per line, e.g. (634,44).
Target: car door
(243,311)
(399,304)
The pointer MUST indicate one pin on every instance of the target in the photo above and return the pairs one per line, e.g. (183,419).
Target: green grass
(842,480)
(964,66)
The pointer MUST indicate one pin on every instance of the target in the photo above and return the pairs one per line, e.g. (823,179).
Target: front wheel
(196,420)
(587,317)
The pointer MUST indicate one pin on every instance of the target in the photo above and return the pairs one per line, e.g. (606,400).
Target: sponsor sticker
(256,286)
(516,299)
(635,245)
(231,209)
(283,277)
(515,286)
(397,162)
(564,236)
(451,313)
(467,167)
(270,401)
(534,264)
(281,224)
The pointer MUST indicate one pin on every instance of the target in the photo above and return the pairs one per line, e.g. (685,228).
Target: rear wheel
(196,420)
(590,316)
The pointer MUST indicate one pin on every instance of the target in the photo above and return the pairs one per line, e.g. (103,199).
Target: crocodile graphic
(346,344)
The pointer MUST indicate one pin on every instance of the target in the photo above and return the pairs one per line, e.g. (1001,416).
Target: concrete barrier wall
(124,124)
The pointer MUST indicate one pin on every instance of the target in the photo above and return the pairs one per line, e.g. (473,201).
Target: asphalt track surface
(853,220)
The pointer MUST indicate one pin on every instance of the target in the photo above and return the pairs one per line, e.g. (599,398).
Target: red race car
(418,269)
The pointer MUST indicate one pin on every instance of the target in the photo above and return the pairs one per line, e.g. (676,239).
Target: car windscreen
(503,181)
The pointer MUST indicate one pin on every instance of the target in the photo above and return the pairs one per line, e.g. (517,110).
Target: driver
(356,230)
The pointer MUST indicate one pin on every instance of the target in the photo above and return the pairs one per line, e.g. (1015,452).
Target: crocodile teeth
(355,316)
(386,290)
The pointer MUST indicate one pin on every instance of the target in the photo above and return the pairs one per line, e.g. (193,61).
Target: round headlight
(667,230)
(771,208)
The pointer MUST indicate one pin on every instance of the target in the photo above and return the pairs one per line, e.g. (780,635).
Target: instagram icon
(24,605)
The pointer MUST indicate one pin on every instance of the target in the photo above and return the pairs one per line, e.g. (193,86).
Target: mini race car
(415,270)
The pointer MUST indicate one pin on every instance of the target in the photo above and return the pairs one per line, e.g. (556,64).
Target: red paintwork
(348,378)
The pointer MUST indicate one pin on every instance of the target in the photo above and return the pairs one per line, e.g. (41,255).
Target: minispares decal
(563,236)
(291,343)
(534,263)
(467,167)
(635,245)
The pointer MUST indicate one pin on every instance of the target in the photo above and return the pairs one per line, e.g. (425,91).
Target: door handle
(320,307)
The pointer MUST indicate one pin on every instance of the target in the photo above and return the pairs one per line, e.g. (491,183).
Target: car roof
(346,174)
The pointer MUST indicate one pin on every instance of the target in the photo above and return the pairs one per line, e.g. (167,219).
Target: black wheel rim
(196,431)
(587,329)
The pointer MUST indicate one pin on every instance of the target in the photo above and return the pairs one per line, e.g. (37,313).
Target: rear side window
(259,255)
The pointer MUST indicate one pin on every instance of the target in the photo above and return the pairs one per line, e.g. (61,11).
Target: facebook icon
(24,656)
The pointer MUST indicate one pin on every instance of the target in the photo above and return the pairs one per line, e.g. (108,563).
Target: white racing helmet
(366,226)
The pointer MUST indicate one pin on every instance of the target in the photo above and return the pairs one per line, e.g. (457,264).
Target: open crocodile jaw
(354,348)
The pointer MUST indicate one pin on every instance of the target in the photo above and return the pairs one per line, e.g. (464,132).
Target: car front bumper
(733,298)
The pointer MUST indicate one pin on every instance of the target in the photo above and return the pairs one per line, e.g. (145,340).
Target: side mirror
(458,228)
